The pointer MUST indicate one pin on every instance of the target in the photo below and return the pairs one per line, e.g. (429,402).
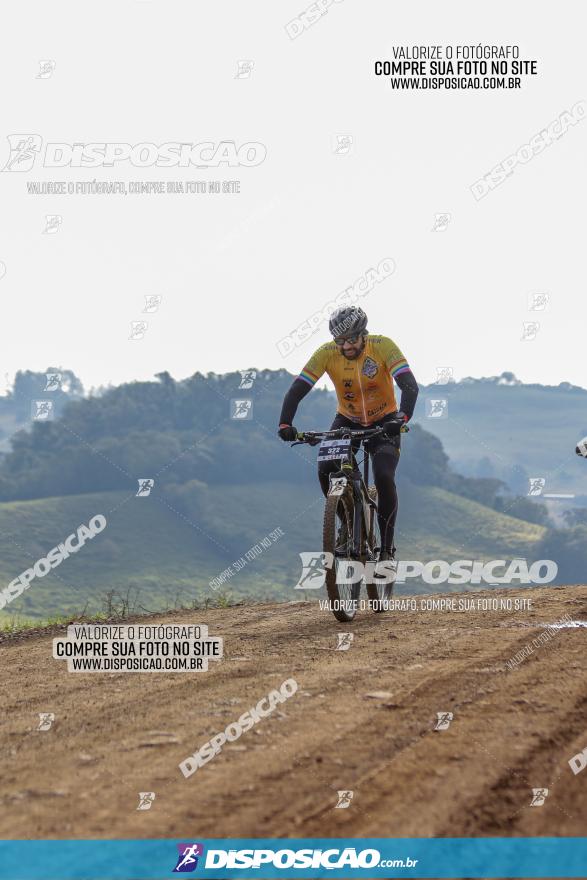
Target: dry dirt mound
(115,735)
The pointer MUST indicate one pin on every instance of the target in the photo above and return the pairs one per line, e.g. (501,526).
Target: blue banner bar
(270,858)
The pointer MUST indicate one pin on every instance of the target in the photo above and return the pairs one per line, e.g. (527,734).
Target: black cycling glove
(393,426)
(287,433)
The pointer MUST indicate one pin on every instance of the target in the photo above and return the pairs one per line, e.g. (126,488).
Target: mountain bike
(351,529)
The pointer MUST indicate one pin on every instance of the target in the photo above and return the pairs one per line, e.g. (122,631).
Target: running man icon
(188,857)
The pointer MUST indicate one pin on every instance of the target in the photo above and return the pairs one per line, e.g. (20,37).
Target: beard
(352,356)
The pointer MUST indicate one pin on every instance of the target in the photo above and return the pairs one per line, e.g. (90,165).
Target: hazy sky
(237,272)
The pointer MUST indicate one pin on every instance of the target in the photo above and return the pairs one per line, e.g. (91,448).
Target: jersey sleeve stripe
(308,377)
(397,373)
(400,366)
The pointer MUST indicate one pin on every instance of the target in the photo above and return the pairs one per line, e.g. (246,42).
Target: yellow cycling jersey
(364,387)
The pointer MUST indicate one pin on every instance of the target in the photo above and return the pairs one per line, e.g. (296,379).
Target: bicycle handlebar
(314,437)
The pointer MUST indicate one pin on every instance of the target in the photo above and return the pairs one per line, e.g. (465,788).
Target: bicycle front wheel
(379,591)
(343,593)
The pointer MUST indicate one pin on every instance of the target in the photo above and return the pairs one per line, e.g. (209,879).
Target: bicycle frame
(349,470)
(345,478)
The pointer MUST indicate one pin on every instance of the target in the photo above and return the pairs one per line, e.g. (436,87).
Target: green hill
(223,485)
(164,550)
(500,427)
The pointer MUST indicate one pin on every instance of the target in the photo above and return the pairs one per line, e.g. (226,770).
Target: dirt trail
(115,735)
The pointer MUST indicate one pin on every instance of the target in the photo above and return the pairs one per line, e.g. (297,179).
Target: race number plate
(333,449)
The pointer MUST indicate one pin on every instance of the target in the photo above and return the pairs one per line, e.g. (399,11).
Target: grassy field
(151,554)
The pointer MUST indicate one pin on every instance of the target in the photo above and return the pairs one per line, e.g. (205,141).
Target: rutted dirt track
(115,735)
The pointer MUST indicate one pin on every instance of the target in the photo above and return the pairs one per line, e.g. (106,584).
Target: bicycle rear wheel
(338,540)
(379,593)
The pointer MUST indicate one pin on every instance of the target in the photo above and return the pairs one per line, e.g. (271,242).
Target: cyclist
(362,367)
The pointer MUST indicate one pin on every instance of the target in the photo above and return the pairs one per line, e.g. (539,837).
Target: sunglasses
(340,340)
